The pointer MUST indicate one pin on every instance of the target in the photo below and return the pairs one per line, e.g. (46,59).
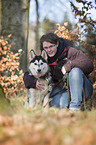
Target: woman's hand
(63,70)
(39,85)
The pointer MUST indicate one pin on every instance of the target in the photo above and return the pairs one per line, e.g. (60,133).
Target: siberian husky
(39,68)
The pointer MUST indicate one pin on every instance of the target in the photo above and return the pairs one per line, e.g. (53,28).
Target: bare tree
(37,27)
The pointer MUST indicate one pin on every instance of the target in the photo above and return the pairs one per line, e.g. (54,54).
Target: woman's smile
(50,48)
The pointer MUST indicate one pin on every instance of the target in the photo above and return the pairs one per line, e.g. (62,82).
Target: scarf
(62,49)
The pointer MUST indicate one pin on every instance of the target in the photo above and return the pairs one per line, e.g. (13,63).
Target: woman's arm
(29,80)
(77,58)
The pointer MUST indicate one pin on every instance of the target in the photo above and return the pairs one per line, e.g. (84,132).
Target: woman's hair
(49,37)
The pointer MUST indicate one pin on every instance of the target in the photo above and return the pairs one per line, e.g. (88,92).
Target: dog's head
(38,64)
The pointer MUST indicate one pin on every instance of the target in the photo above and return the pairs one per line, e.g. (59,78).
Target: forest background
(22,23)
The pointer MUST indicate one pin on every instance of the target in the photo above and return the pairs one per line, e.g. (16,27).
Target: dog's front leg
(31,98)
(27,98)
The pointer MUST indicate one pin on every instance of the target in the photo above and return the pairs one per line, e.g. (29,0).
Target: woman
(64,59)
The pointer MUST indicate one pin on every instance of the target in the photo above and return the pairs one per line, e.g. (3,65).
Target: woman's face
(50,48)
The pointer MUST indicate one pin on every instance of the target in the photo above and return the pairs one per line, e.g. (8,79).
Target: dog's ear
(44,55)
(31,55)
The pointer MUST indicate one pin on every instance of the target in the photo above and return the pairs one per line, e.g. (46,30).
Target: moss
(5,106)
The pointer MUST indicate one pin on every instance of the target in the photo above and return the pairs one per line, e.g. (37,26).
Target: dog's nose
(39,70)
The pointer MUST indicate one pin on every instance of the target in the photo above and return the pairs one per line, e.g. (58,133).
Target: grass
(51,126)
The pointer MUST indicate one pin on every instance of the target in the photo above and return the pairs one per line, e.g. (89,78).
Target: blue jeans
(77,82)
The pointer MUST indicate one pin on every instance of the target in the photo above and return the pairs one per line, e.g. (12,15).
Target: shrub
(11,78)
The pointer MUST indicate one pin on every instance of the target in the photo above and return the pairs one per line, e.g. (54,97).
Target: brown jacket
(77,58)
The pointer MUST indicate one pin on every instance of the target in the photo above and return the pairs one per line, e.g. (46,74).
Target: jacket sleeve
(29,80)
(77,58)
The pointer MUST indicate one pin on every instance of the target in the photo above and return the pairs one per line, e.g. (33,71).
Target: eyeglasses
(51,46)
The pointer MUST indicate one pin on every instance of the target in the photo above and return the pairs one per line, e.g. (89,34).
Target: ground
(50,126)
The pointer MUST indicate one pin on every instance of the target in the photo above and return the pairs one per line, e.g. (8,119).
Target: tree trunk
(0,17)
(37,28)
(14,20)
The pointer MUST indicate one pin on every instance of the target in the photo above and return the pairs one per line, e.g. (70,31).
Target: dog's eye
(42,63)
(35,63)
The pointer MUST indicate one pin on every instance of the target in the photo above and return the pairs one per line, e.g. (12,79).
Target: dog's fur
(39,68)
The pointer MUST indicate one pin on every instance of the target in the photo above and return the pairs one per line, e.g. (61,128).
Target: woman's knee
(75,73)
